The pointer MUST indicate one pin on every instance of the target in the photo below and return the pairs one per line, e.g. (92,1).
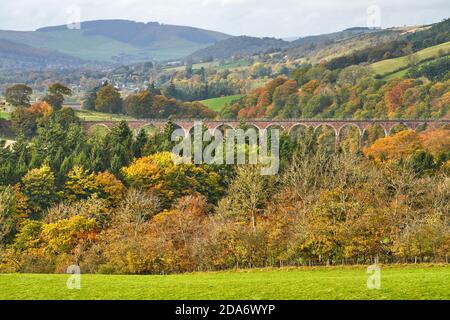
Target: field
(217,104)
(5,115)
(406,282)
(86,115)
(388,66)
(239,64)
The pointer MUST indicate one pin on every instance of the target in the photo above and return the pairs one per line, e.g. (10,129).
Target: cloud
(251,17)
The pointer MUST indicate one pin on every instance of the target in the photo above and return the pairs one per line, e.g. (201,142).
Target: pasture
(389,66)
(217,104)
(397,282)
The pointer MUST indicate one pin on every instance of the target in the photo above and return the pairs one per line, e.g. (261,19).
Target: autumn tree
(39,188)
(158,173)
(139,105)
(108,100)
(247,195)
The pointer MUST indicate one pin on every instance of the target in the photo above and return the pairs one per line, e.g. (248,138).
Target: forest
(114,202)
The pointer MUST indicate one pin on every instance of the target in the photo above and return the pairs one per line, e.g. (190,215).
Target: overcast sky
(278,18)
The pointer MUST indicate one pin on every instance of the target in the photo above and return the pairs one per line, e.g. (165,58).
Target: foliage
(170,181)
(108,100)
(18,95)
(55,95)
(39,188)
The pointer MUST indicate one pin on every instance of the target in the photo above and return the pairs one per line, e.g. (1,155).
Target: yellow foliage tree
(170,181)
(395,147)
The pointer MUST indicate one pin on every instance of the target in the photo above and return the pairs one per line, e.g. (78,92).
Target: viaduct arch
(288,124)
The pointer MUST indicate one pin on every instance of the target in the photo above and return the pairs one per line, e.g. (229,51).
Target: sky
(271,18)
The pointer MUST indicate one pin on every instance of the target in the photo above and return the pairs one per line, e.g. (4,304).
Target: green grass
(217,104)
(389,66)
(237,65)
(406,282)
(398,74)
(5,115)
(86,115)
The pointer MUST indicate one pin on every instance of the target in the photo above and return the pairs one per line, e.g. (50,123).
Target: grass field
(217,104)
(98,116)
(5,115)
(407,282)
(240,64)
(388,66)
(398,74)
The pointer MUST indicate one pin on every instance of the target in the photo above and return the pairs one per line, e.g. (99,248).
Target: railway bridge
(287,125)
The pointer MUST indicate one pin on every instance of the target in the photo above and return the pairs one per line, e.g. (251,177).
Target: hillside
(301,47)
(19,56)
(118,40)
(386,67)
(330,46)
(239,46)
(331,37)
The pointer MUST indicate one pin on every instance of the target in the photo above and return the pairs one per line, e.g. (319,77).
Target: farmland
(5,115)
(87,115)
(389,66)
(216,104)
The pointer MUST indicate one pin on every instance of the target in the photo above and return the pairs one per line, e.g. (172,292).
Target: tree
(171,91)
(64,235)
(89,99)
(158,173)
(23,121)
(247,195)
(139,143)
(120,144)
(18,95)
(108,100)
(41,109)
(8,216)
(139,105)
(136,208)
(394,147)
(39,188)
(80,184)
(55,95)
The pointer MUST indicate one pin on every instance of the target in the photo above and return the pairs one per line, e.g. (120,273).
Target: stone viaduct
(288,124)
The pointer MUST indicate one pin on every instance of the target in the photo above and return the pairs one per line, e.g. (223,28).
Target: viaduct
(287,125)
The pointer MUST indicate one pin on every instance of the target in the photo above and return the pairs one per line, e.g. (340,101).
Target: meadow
(386,67)
(87,115)
(397,282)
(217,104)
(5,115)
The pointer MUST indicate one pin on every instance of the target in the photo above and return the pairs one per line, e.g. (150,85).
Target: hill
(118,40)
(239,46)
(20,56)
(329,46)
(307,46)
(389,66)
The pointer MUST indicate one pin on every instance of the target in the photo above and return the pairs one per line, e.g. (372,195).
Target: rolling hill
(20,56)
(247,46)
(239,46)
(120,41)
